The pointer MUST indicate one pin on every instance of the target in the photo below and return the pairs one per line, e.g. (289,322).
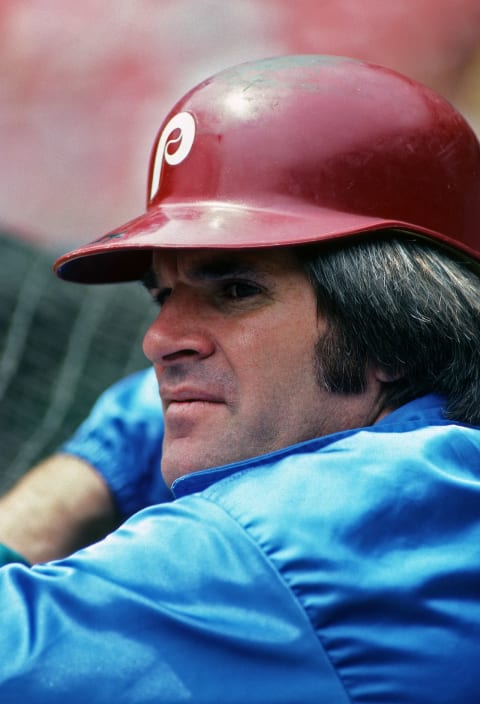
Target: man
(311,242)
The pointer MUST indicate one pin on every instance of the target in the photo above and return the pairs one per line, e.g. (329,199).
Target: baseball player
(311,242)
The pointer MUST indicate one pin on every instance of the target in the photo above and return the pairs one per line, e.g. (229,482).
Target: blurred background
(84,87)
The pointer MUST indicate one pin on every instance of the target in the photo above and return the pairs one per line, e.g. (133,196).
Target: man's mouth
(186,396)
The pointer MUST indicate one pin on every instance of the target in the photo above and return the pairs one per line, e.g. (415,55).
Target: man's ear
(386,377)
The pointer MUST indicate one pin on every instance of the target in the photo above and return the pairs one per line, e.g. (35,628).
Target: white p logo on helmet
(185,123)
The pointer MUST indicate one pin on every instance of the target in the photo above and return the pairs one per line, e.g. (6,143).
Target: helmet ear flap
(300,149)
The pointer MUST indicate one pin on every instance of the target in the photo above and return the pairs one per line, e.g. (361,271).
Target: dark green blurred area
(61,344)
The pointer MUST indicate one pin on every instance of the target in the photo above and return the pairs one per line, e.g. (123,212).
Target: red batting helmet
(294,150)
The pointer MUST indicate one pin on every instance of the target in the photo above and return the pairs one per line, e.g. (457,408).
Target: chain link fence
(61,344)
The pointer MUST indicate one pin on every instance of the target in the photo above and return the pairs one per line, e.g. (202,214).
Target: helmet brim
(125,253)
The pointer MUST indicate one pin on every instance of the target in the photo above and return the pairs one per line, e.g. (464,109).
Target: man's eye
(159,295)
(240,289)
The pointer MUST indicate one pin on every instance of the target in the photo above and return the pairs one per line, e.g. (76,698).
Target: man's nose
(177,334)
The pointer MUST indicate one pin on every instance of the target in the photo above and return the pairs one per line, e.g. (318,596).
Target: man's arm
(108,470)
(58,507)
(176,595)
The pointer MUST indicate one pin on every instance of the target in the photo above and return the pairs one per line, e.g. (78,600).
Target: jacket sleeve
(122,439)
(177,605)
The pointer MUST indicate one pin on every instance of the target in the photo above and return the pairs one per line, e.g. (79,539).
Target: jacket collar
(427,410)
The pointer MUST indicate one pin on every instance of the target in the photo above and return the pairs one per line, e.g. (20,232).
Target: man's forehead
(200,264)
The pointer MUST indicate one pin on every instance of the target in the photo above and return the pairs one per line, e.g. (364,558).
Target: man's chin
(182,457)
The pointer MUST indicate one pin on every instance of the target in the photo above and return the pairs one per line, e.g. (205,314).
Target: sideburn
(339,366)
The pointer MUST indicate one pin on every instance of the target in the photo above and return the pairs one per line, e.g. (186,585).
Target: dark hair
(406,307)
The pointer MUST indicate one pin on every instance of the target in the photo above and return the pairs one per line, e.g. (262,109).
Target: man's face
(234,352)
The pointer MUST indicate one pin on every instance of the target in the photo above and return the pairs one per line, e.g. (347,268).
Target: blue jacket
(341,570)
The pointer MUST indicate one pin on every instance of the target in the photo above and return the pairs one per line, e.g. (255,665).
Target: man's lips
(186,395)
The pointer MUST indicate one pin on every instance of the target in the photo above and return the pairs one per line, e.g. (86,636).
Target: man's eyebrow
(215,270)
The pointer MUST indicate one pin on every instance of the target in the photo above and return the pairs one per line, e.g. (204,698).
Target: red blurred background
(84,85)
